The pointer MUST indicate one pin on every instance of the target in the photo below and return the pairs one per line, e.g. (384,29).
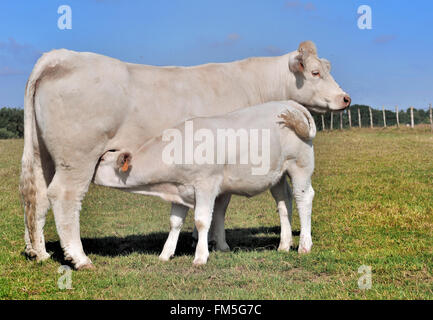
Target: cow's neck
(267,77)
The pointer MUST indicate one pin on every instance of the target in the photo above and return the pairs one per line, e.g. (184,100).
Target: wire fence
(364,116)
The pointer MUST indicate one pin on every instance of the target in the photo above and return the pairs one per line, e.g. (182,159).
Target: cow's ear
(123,161)
(296,64)
(307,47)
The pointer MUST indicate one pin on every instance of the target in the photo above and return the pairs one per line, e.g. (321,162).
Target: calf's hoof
(284,247)
(199,261)
(165,257)
(305,245)
(87,266)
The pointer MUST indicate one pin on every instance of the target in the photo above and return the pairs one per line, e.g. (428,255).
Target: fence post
(350,118)
(431,117)
(371,117)
(359,118)
(396,114)
(341,120)
(323,122)
(411,117)
(332,120)
(384,118)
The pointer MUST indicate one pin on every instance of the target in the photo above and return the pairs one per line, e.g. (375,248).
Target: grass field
(373,206)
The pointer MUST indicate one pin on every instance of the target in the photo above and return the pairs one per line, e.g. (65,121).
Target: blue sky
(387,65)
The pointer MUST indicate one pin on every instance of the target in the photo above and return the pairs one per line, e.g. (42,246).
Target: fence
(347,115)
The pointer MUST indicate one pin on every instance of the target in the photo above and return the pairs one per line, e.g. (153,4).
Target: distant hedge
(12,119)
(11,123)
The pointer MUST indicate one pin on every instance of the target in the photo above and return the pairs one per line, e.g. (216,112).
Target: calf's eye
(315,73)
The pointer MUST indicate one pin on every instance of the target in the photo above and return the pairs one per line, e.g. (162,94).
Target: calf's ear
(123,161)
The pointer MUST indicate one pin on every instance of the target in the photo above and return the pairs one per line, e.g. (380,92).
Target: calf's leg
(177,217)
(283,199)
(204,203)
(304,194)
(217,234)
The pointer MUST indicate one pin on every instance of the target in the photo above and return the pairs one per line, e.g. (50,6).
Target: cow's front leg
(177,217)
(304,194)
(204,203)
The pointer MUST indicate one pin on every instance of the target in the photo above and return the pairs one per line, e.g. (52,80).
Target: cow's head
(313,86)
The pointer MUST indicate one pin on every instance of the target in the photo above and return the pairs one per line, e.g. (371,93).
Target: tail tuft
(300,121)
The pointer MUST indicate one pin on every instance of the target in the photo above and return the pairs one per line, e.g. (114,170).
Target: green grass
(373,206)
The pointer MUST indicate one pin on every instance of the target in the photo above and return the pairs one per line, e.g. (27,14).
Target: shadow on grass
(242,239)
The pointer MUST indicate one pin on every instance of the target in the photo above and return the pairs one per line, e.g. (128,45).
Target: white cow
(78,106)
(286,130)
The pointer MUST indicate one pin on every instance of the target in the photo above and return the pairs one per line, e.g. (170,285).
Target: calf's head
(311,83)
(113,166)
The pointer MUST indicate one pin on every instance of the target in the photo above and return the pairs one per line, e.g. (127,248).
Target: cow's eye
(315,73)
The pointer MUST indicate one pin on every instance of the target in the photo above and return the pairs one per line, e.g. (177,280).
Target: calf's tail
(300,120)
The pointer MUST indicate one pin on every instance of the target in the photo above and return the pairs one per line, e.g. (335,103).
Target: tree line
(12,119)
(11,123)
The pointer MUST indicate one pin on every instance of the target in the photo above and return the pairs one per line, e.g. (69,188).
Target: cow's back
(87,101)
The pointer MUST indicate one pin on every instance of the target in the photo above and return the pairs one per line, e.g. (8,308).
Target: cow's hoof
(42,256)
(223,247)
(36,255)
(87,266)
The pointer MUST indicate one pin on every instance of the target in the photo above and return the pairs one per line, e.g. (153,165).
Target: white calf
(201,174)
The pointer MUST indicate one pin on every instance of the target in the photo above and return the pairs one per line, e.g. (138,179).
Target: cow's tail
(28,185)
(300,120)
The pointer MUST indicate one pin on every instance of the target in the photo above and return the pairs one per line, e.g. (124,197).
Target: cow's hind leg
(65,193)
(177,217)
(283,198)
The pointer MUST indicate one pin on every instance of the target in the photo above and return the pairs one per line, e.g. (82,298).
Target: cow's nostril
(347,100)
